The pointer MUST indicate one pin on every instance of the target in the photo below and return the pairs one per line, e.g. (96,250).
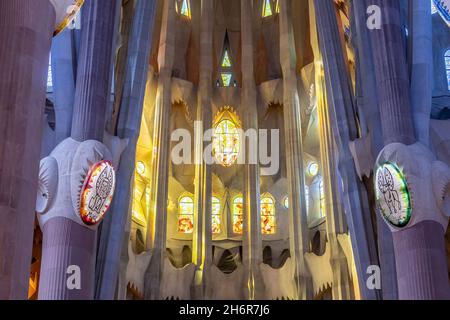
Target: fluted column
(421,68)
(160,174)
(368,104)
(202,239)
(298,228)
(342,119)
(26,28)
(129,123)
(63,73)
(68,242)
(419,246)
(252,240)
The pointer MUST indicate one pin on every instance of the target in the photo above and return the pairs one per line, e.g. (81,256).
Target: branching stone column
(26,29)
(341,115)
(129,123)
(298,228)
(69,243)
(202,239)
(412,186)
(252,240)
(160,175)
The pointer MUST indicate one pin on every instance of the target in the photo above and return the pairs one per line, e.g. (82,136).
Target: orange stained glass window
(267,215)
(238,215)
(215,215)
(186,215)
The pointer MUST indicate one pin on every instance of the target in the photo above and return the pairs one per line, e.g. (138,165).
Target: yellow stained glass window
(267,215)
(183,7)
(216,221)
(277,9)
(226,79)
(226,61)
(267,9)
(186,215)
(238,215)
(226,143)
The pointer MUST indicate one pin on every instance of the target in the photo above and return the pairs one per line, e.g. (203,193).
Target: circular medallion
(66,10)
(392,195)
(97,192)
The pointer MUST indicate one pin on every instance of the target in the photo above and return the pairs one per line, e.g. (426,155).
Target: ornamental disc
(97,192)
(392,195)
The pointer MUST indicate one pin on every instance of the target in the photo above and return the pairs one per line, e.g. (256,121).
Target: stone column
(419,246)
(64,73)
(422,68)
(67,240)
(342,119)
(129,123)
(202,239)
(298,226)
(160,176)
(252,239)
(368,104)
(26,29)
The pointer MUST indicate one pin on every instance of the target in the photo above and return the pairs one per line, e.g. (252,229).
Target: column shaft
(298,225)
(161,137)
(26,28)
(202,239)
(129,123)
(88,123)
(342,118)
(252,239)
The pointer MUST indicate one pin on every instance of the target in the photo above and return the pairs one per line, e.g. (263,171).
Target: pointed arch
(216,221)
(186,214)
(226,74)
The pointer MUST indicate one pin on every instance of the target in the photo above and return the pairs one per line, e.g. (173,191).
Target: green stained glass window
(226,79)
(267,9)
(226,62)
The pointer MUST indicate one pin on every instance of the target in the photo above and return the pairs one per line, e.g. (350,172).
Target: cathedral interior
(225,149)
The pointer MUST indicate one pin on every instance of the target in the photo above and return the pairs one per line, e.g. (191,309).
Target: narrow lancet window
(186,215)
(267,215)
(215,216)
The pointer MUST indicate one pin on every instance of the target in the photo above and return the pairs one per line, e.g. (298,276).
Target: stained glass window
(286,202)
(183,7)
(226,143)
(322,199)
(267,215)
(226,79)
(238,215)
(433,7)
(186,215)
(312,169)
(226,61)
(267,9)
(215,223)
(447,67)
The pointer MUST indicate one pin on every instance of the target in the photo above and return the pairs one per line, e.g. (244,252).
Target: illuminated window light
(312,169)
(267,9)
(186,215)
(216,221)
(433,7)
(226,79)
(307,198)
(267,215)
(185,8)
(140,168)
(286,202)
(238,215)
(49,75)
(226,61)
(226,143)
